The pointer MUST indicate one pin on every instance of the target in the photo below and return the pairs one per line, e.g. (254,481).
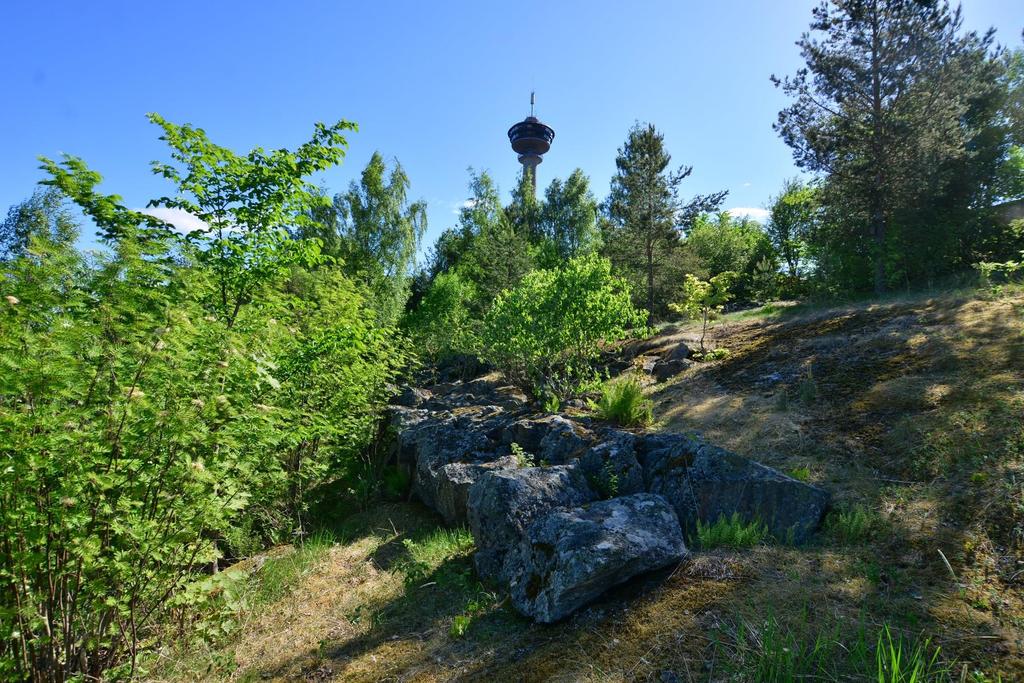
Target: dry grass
(911,410)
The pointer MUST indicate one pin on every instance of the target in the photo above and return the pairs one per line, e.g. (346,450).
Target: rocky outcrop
(562,509)
(503,503)
(569,557)
(704,482)
(673,362)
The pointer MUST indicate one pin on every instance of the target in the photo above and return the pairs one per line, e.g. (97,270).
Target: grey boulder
(665,369)
(502,503)
(452,483)
(568,558)
(412,397)
(544,435)
(704,482)
(680,352)
(438,443)
(611,467)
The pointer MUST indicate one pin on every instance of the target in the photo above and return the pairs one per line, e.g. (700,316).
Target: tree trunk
(878,233)
(650,284)
(878,151)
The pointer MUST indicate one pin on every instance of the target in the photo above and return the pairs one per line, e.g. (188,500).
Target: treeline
(911,128)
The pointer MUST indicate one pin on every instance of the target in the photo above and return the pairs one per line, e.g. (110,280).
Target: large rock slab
(704,482)
(568,558)
(452,483)
(611,467)
(502,503)
(463,436)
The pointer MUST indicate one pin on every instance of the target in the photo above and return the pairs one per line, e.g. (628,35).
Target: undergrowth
(623,401)
(772,652)
(731,532)
(853,525)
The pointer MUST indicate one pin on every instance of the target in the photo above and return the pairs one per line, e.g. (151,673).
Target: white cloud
(746,184)
(181,219)
(457,207)
(759,215)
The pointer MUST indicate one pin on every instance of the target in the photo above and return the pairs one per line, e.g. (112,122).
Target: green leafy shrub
(623,401)
(548,330)
(523,459)
(993,274)
(172,401)
(711,354)
(443,325)
(731,532)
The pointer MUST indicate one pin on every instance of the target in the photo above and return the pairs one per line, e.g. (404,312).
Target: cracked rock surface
(562,509)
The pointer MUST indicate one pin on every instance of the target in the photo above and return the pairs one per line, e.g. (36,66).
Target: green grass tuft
(899,661)
(731,532)
(623,402)
(771,651)
(853,525)
(801,473)
(279,575)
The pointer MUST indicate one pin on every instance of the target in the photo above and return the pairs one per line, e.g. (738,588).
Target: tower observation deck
(531,139)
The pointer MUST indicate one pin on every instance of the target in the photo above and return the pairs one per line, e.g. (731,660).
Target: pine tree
(880,105)
(645,210)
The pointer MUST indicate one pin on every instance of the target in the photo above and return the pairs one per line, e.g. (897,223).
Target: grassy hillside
(909,411)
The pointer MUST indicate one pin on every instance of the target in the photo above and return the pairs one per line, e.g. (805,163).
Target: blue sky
(434,84)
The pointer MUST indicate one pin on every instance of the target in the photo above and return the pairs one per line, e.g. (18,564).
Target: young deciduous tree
(546,331)
(569,216)
(645,208)
(44,214)
(494,255)
(151,416)
(722,243)
(250,203)
(442,325)
(792,217)
(704,299)
(380,232)
(524,212)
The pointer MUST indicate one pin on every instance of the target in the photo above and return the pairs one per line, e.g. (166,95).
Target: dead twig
(948,565)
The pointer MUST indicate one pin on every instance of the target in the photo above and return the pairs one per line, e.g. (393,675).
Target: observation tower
(531,139)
